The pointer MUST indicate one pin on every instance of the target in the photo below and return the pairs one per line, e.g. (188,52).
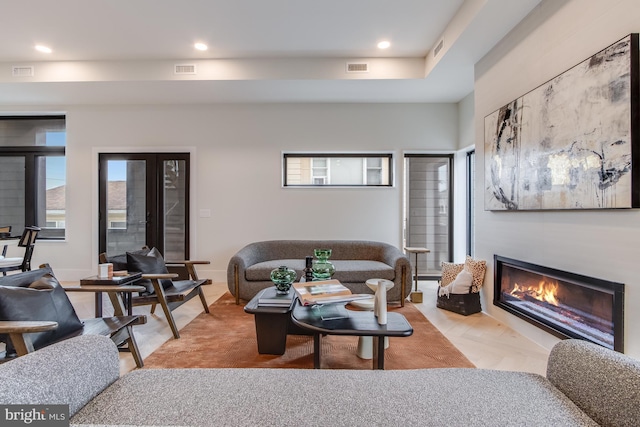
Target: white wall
(604,244)
(236,171)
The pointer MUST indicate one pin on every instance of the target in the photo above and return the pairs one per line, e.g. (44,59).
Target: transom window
(337,170)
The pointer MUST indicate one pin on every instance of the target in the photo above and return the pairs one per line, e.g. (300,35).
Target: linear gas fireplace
(565,304)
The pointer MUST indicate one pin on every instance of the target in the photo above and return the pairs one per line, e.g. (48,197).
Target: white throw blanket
(460,285)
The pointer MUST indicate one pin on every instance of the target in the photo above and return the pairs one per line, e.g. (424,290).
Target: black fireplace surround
(567,305)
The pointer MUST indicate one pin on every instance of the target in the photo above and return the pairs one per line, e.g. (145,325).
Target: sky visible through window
(56,166)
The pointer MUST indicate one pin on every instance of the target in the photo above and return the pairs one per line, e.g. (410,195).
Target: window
(338,170)
(33,174)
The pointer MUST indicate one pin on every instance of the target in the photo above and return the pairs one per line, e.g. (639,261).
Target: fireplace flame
(544,291)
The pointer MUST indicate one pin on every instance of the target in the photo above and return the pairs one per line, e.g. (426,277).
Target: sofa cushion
(347,271)
(25,278)
(71,372)
(354,271)
(254,397)
(262,270)
(151,263)
(120,261)
(20,303)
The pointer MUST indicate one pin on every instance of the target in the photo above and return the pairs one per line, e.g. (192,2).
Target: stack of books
(270,298)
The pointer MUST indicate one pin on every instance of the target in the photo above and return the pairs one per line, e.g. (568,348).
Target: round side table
(416,295)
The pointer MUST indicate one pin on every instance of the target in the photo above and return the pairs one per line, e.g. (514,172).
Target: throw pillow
(152,263)
(120,261)
(33,303)
(449,272)
(478,269)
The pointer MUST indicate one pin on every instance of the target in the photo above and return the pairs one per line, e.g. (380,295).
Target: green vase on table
(322,268)
(282,277)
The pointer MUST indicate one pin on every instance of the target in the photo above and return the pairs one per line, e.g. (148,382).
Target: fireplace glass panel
(567,304)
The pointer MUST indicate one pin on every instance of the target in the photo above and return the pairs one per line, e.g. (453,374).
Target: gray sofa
(586,385)
(355,261)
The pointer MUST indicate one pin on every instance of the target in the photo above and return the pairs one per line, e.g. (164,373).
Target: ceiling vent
(22,71)
(183,69)
(438,48)
(357,67)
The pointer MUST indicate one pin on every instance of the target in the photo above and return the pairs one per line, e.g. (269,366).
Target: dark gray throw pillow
(120,261)
(152,263)
(45,300)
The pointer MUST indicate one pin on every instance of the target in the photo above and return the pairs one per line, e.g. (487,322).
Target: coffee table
(356,323)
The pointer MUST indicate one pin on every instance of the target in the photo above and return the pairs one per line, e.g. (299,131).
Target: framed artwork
(571,143)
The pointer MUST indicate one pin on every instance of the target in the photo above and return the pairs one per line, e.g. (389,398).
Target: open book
(325,292)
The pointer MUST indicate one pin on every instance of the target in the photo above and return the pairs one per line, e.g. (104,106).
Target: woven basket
(464,304)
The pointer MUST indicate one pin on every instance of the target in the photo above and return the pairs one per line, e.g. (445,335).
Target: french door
(428,215)
(144,200)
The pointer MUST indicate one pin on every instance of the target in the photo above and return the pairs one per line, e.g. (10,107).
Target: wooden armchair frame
(118,328)
(27,241)
(5,229)
(173,296)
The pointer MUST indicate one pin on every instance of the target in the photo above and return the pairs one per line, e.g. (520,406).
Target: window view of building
(373,170)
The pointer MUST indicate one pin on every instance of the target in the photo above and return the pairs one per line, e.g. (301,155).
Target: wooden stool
(416,295)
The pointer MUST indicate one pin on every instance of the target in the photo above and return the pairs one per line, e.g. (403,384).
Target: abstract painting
(569,143)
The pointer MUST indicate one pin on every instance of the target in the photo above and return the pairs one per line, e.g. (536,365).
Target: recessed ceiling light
(43,49)
(201,46)
(383,44)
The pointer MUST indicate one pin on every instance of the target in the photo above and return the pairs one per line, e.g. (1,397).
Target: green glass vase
(282,277)
(322,268)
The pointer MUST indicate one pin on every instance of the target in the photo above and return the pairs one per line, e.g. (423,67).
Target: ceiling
(125,51)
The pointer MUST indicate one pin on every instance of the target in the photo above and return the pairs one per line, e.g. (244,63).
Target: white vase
(380,303)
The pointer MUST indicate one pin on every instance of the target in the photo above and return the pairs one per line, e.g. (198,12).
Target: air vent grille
(357,67)
(22,71)
(184,69)
(438,48)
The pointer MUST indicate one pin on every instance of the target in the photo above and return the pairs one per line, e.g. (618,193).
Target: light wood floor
(486,342)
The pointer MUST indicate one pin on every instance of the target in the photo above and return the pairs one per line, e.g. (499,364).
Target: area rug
(226,338)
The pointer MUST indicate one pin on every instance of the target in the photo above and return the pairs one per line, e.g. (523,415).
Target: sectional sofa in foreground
(585,385)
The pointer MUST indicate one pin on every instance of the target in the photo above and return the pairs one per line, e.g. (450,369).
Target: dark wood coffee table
(357,323)
(273,324)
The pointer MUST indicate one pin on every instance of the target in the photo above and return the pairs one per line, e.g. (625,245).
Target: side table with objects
(118,288)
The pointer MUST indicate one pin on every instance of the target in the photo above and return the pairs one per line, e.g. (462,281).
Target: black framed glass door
(144,200)
(428,202)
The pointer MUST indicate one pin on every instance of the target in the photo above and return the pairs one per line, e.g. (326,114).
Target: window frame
(470,196)
(333,155)
(32,155)
(450,212)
